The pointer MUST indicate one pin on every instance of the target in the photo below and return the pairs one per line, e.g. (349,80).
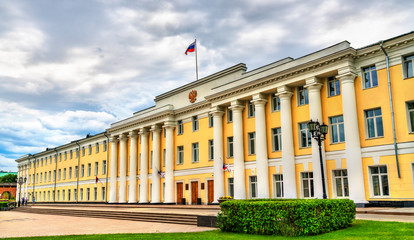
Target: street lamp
(20,182)
(319,132)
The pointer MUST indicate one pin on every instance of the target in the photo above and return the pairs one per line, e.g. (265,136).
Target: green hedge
(288,217)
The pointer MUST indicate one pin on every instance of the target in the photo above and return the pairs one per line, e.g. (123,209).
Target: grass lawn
(360,229)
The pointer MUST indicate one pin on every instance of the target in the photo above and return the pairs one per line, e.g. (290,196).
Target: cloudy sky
(68,68)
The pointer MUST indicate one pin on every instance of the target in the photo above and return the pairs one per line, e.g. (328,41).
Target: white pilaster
(239,175)
(143,194)
(218,153)
(288,152)
(156,178)
(352,143)
(315,111)
(132,195)
(114,169)
(169,162)
(262,161)
(122,168)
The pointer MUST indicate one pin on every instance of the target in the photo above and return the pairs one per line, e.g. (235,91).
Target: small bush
(287,217)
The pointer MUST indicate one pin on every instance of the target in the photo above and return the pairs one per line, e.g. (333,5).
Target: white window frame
(64,174)
(70,173)
(70,154)
(276,133)
(302,92)
(340,178)
(251,142)
(164,153)
(410,119)
(88,194)
(89,149)
(371,182)
(275,101)
(82,170)
(194,121)
(251,110)
(104,146)
(210,120)
(375,123)
(104,167)
(97,148)
(180,127)
(103,193)
(336,86)
(308,135)
(96,168)
(311,184)
(210,149)
(229,115)
(338,125)
(230,146)
(89,169)
(369,70)
(405,61)
(276,184)
(251,186)
(180,155)
(230,185)
(95,193)
(195,152)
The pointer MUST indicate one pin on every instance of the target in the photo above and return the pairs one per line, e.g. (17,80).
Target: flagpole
(196,58)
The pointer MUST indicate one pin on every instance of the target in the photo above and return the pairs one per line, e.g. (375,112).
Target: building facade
(244,134)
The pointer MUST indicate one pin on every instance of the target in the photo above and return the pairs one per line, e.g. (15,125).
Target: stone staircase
(118,215)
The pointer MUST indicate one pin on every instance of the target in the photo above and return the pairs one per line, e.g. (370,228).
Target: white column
(288,151)
(19,174)
(114,169)
(27,180)
(169,162)
(239,175)
(315,111)
(262,161)
(218,153)
(132,194)
(122,168)
(156,178)
(143,194)
(352,143)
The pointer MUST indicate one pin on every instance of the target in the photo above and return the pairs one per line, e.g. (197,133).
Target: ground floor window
(307,185)
(88,192)
(68,194)
(58,195)
(379,181)
(103,194)
(95,194)
(81,194)
(63,195)
(340,178)
(75,194)
(253,186)
(230,182)
(278,185)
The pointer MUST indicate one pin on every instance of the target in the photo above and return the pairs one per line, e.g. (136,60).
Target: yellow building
(245,134)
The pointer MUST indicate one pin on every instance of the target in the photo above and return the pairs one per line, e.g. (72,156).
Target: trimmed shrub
(287,217)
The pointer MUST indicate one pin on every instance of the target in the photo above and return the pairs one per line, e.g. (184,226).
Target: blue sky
(68,68)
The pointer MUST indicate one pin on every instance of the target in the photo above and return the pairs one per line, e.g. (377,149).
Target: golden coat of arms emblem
(192,96)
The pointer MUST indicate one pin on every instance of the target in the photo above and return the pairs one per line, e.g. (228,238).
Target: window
(370,77)
(275,103)
(278,185)
(210,149)
(95,193)
(230,147)
(337,132)
(75,194)
(97,148)
(83,151)
(96,168)
(81,194)
(104,146)
(210,120)
(41,162)
(410,115)
(103,194)
(50,159)
(180,154)
(408,66)
(340,178)
(251,138)
(104,167)
(88,194)
(60,157)
(139,161)
(89,149)
(180,127)
(229,115)
(334,87)
(276,139)
(77,153)
(82,170)
(64,173)
(41,177)
(373,120)
(50,175)
(70,154)
(68,194)
(302,96)
(63,195)
(164,153)
(89,169)
(305,139)
(195,153)
(251,110)
(70,173)
(230,182)
(59,174)
(253,186)
(76,171)
(58,195)
(195,123)
(66,156)
(379,181)
(307,184)
(151,158)
(48,195)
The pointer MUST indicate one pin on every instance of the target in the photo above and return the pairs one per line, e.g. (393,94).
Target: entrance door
(194,192)
(179,192)
(210,190)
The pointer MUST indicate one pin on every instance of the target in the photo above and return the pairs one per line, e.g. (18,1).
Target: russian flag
(225,167)
(191,48)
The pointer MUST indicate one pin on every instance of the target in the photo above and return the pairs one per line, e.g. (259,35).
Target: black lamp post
(319,132)
(20,182)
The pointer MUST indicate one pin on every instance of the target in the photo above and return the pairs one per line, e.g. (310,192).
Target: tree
(9,178)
